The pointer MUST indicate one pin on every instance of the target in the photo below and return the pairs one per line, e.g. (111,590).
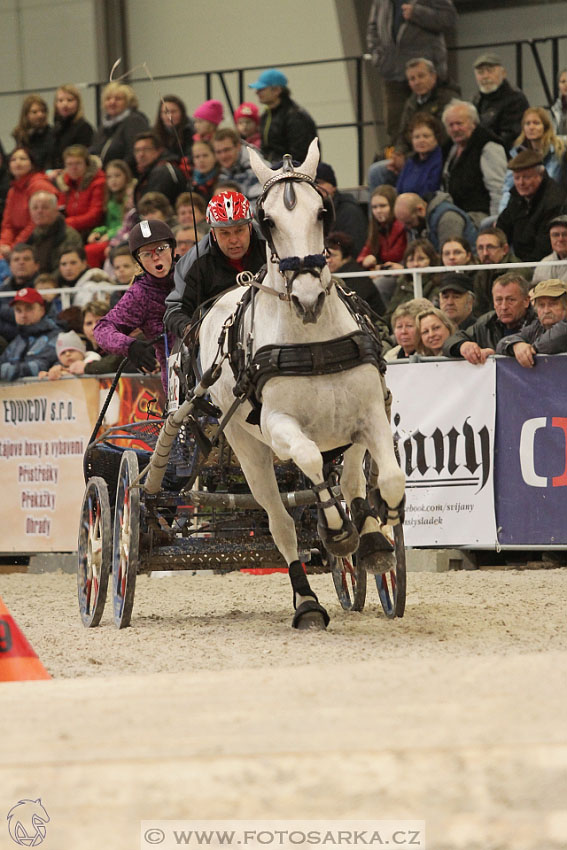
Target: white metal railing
(67,292)
(417,274)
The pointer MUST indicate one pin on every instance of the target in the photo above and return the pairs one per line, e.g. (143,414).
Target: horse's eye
(321,213)
(269,222)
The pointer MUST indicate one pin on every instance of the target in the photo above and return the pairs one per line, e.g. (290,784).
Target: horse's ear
(259,166)
(312,159)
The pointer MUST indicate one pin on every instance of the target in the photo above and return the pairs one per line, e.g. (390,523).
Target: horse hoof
(381,562)
(376,553)
(310,615)
(341,542)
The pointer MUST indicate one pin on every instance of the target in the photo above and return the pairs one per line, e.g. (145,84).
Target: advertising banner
(45,427)
(531,460)
(445,438)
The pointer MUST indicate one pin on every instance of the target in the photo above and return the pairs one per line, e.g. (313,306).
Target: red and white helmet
(228,209)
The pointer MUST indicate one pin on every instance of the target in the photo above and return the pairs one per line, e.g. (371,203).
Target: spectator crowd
(477,180)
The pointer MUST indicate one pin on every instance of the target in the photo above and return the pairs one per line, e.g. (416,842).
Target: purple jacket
(142,306)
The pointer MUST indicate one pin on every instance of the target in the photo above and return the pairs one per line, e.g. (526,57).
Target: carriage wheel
(349,580)
(392,585)
(94,552)
(125,547)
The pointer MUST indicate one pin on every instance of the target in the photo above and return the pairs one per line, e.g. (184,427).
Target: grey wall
(44,43)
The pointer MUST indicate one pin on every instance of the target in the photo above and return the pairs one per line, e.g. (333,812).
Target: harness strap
(316,358)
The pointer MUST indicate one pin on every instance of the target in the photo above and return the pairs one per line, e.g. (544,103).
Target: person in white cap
(70,349)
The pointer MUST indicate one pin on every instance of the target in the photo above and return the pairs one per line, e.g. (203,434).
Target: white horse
(302,416)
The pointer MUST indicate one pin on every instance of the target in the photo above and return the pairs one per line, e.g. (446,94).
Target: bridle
(290,267)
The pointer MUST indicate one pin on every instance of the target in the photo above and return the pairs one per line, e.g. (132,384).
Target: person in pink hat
(207,118)
(247,120)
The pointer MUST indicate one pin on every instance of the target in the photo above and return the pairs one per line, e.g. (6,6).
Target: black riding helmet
(148,231)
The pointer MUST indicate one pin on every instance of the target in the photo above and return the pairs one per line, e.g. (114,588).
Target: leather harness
(252,371)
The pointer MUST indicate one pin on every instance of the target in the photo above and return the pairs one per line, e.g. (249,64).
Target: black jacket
(350,219)
(501,112)
(486,332)
(197,281)
(116,139)
(67,132)
(525,221)
(286,129)
(465,181)
(40,144)
(50,241)
(163,176)
(363,286)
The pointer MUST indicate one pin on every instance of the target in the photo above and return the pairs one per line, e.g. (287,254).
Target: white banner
(443,417)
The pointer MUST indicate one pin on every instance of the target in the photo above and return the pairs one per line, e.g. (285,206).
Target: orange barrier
(18,661)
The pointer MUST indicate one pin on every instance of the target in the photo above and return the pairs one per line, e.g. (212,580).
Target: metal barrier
(67,292)
(550,89)
(416,274)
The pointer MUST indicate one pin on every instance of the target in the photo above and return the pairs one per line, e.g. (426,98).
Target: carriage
(209,522)
(192,490)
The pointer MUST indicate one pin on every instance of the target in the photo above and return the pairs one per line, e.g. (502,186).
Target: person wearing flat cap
(548,333)
(284,126)
(33,349)
(558,239)
(535,199)
(456,298)
(500,106)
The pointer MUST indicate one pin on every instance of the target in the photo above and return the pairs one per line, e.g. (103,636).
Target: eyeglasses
(158,251)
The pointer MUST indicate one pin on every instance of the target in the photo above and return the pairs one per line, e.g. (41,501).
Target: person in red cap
(33,349)
(247,120)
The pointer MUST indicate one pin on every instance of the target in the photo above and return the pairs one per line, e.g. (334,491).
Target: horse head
(291,211)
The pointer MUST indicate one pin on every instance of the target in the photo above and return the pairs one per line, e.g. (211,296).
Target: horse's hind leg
(337,532)
(391,479)
(375,549)
(256,460)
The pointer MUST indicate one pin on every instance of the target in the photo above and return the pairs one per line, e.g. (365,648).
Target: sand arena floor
(210,707)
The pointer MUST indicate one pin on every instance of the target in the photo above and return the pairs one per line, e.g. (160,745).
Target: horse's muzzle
(308,313)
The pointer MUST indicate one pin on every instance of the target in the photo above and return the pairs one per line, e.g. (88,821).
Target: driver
(232,246)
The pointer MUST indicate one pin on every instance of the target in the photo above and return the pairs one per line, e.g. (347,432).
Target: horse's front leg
(337,532)
(256,461)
